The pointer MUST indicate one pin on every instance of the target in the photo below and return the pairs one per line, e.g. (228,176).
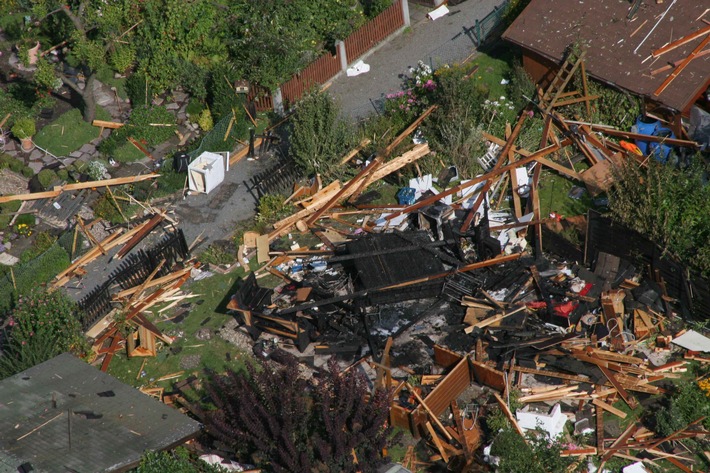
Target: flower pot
(27,144)
(33,54)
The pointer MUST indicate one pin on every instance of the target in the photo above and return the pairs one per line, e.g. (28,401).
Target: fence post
(278,101)
(405,13)
(340,49)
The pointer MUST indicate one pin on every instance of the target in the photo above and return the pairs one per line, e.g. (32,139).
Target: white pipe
(654,26)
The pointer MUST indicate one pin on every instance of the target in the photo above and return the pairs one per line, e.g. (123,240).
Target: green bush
(107,208)
(153,125)
(27,171)
(43,241)
(24,128)
(42,325)
(46,177)
(123,57)
(319,136)
(26,219)
(139,90)
(194,107)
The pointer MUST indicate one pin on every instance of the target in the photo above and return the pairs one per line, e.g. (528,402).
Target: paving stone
(36,154)
(75,154)
(172,106)
(68,161)
(10,145)
(47,159)
(158,101)
(86,157)
(179,96)
(8,260)
(88,148)
(36,166)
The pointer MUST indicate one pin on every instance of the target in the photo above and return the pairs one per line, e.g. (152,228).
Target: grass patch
(491,69)
(127,153)
(69,132)
(213,353)
(554,190)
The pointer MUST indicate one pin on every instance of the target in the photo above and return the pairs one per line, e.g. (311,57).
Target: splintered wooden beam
(628,398)
(453,190)
(609,408)
(637,136)
(346,188)
(670,66)
(680,42)
(408,130)
(510,415)
(355,151)
(77,186)
(681,66)
(503,156)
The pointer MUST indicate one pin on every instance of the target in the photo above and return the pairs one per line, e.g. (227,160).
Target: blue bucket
(645,126)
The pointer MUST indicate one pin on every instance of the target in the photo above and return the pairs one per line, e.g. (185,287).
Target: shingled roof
(64,415)
(548,27)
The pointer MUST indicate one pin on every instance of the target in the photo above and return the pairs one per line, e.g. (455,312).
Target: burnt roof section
(548,27)
(87,419)
(386,269)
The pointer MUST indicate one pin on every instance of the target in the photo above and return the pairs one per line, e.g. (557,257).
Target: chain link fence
(222,137)
(484,29)
(23,277)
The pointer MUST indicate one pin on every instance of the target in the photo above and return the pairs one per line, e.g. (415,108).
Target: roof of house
(64,415)
(548,27)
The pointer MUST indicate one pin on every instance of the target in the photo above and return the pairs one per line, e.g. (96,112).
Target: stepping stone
(10,145)
(158,101)
(179,96)
(36,154)
(36,166)
(8,260)
(75,154)
(88,148)
(172,106)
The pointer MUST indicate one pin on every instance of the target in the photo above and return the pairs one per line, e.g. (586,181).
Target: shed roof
(548,27)
(85,420)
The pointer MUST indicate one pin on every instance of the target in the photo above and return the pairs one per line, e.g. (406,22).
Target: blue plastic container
(660,151)
(645,126)
(405,196)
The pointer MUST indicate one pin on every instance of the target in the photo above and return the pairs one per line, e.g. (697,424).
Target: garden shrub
(139,90)
(43,241)
(108,209)
(123,57)
(46,177)
(44,322)
(27,171)
(319,137)
(139,128)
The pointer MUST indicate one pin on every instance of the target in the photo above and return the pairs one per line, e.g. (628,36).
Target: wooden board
(262,249)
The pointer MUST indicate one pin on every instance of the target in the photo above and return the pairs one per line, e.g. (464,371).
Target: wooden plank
(670,66)
(107,124)
(628,398)
(408,130)
(637,136)
(681,66)
(241,154)
(609,408)
(510,415)
(136,238)
(262,249)
(355,151)
(453,190)
(345,189)
(429,411)
(437,441)
(155,282)
(681,41)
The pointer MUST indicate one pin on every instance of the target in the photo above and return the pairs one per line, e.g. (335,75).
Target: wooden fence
(374,31)
(329,65)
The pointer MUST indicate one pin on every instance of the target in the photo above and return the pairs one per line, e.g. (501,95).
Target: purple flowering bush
(416,95)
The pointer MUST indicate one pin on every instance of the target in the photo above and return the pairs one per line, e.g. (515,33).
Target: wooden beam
(681,66)
(637,136)
(681,41)
(510,415)
(345,189)
(671,65)
(453,190)
(431,414)
(609,408)
(628,398)
(437,442)
(355,151)
(408,130)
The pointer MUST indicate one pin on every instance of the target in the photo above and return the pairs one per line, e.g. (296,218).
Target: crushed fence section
(132,272)
(277,179)
(484,29)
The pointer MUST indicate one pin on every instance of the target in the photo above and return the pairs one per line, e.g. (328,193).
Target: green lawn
(127,153)
(105,75)
(209,313)
(69,132)
(491,70)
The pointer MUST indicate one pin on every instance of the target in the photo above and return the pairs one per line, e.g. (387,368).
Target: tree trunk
(89,99)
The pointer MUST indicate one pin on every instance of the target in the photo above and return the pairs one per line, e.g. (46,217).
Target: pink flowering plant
(416,95)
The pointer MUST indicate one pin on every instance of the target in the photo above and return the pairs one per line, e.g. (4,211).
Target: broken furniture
(207,171)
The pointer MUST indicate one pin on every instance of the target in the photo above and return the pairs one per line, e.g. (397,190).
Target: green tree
(91,28)
(667,205)
(319,137)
